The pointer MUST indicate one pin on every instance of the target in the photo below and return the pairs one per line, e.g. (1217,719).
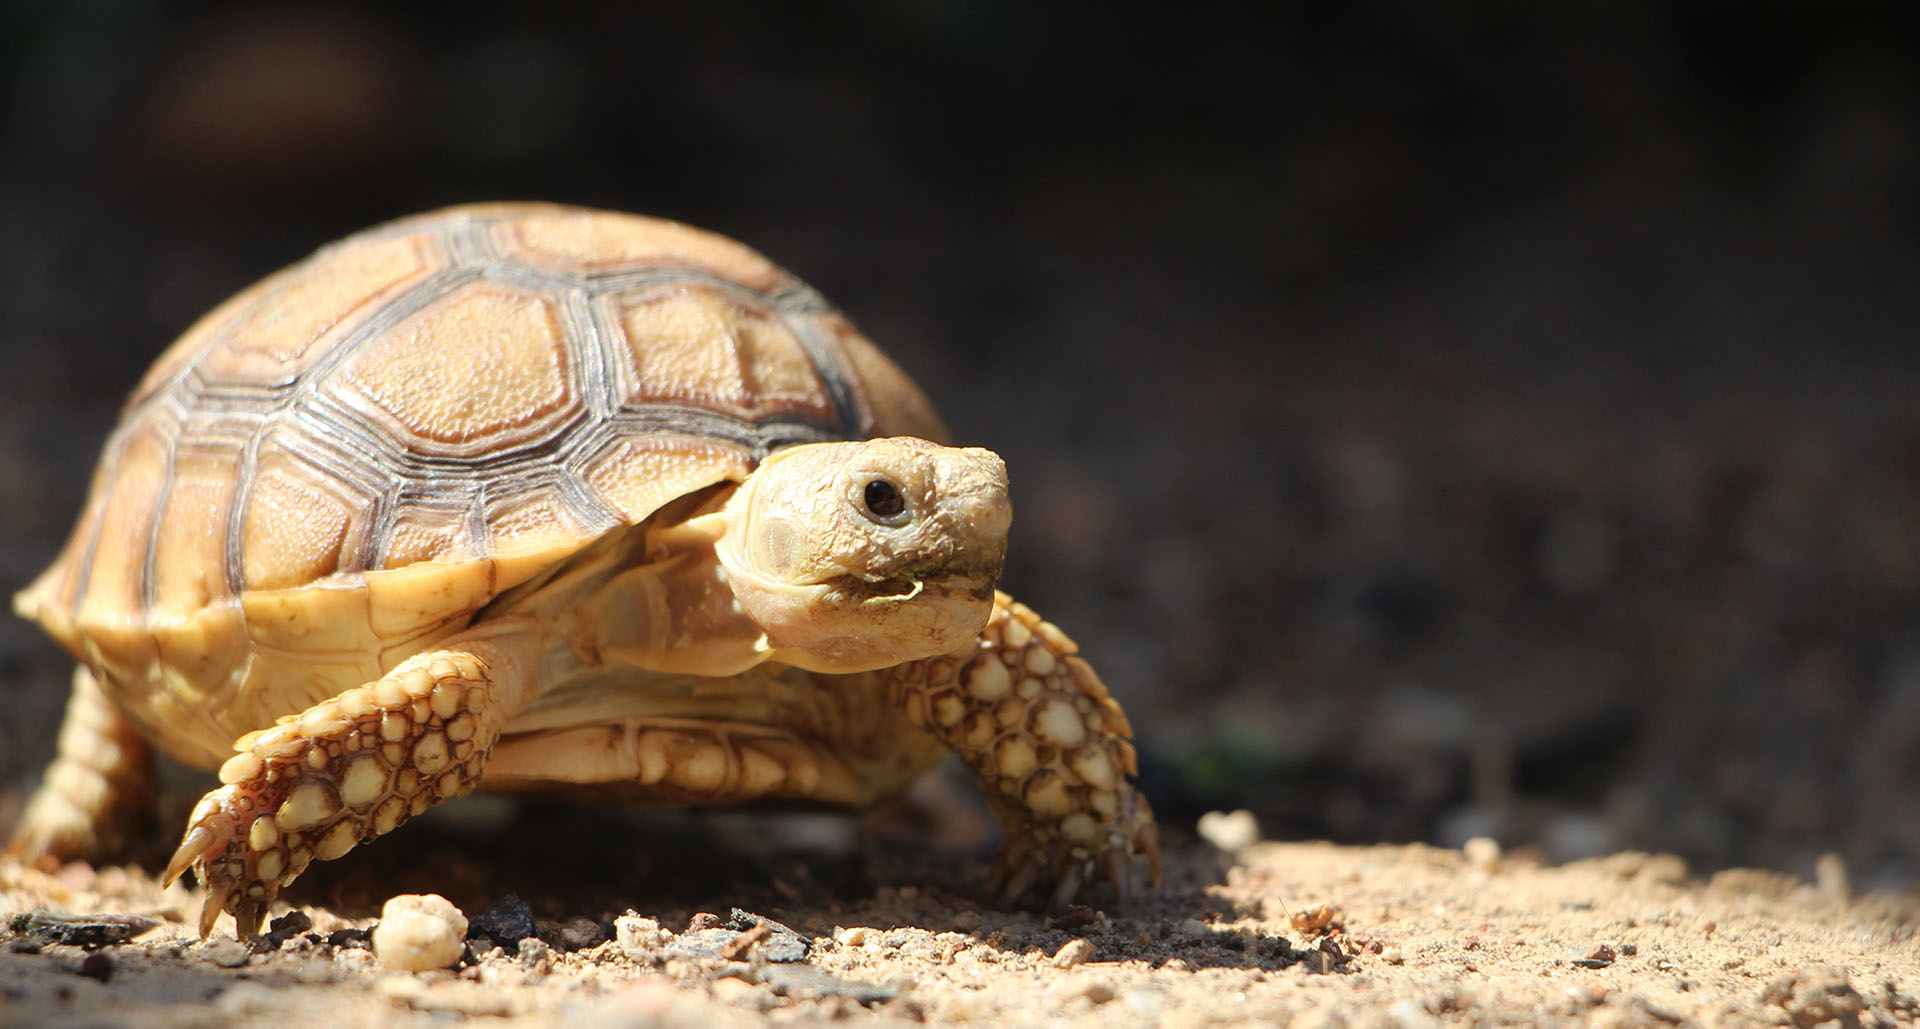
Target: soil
(1329,935)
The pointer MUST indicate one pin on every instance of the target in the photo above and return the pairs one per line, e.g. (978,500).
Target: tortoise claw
(210,911)
(197,844)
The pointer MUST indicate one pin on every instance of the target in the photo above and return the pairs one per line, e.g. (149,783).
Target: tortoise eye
(885,503)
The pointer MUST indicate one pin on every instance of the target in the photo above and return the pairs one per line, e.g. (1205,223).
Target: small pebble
(582,933)
(225,952)
(1075,917)
(419,932)
(855,936)
(1230,832)
(640,938)
(1076,952)
(350,938)
(1317,919)
(1830,878)
(282,929)
(97,966)
(535,955)
(1600,956)
(1667,869)
(1483,854)
(506,921)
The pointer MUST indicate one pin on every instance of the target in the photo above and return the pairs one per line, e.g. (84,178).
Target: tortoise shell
(347,461)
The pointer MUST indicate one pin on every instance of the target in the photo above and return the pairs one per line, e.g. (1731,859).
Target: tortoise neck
(666,606)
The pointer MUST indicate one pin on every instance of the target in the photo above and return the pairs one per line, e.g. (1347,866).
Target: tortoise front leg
(1049,746)
(98,786)
(345,771)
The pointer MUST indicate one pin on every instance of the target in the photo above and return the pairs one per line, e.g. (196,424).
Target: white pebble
(853,937)
(640,938)
(1230,832)
(1830,878)
(1483,854)
(1076,951)
(419,932)
(225,953)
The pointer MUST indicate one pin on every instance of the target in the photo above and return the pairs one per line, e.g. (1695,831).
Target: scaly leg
(345,771)
(99,785)
(1050,748)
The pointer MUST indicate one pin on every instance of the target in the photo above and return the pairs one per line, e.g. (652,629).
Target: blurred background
(1434,420)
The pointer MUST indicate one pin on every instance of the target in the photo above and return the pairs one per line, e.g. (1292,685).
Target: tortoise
(530,497)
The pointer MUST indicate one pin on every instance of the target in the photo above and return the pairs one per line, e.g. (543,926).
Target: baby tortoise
(536,498)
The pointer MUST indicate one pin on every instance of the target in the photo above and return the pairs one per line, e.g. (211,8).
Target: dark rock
(506,922)
(280,930)
(353,939)
(79,930)
(781,945)
(96,966)
(1073,918)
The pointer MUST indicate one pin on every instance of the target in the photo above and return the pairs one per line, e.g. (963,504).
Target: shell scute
(691,344)
(116,560)
(484,366)
(190,556)
(295,526)
(281,334)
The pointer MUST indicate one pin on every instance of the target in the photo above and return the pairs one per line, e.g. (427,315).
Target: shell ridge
(149,561)
(378,322)
(798,305)
(236,541)
(593,365)
(585,503)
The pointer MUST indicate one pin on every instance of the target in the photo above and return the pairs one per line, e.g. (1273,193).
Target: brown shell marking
(482,388)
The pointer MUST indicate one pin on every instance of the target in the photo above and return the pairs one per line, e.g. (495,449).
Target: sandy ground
(1278,932)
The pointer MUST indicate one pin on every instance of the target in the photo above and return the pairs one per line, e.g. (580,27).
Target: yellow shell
(348,460)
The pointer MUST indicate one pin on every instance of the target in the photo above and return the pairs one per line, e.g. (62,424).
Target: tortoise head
(861,555)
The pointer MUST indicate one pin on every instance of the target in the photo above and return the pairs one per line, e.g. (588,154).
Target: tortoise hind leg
(98,788)
(345,771)
(1049,746)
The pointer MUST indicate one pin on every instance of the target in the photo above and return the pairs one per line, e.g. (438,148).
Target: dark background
(1432,422)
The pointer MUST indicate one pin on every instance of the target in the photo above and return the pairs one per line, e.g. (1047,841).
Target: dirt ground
(883,933)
